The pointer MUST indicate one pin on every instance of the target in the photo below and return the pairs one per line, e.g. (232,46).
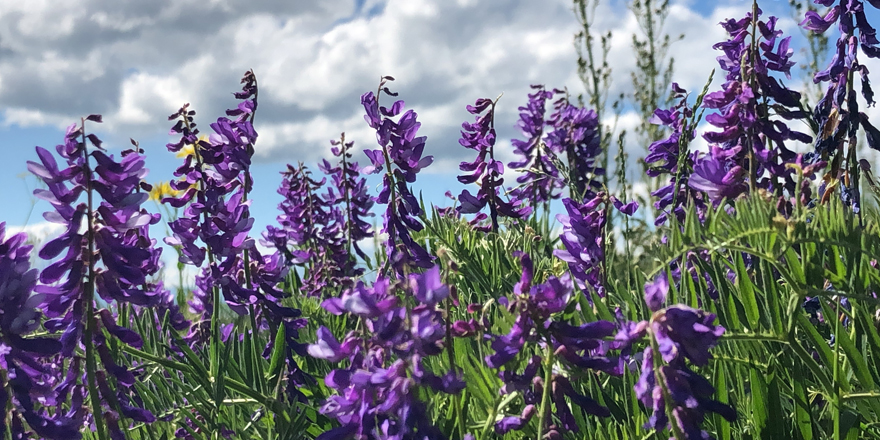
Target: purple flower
(25,374)
(583,235)
(480,136)
(755,142)
(666,384)
(665,156)
(540,180)
(350,190)
(401,152)
(718,176)
(837,113)
(378,393)
(576,132)
(105,251)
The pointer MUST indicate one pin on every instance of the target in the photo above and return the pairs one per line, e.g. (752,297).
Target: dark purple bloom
(837,114)
(667,384)
(576,132)
(583,239)
(754,142)
(540,181)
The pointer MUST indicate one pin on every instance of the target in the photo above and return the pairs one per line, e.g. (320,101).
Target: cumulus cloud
(137,62)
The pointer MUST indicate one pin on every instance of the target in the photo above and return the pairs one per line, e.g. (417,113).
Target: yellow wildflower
(161,190)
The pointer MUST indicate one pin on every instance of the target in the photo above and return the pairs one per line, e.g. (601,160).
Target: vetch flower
(485,170)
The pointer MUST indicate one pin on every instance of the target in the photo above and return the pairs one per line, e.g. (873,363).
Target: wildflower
(401,151)
(540,182)
(480,136)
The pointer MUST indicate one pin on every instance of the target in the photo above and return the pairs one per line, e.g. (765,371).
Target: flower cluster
(583,239)
(480,136)
(215,180)
(837,113)
(677,397)
(540,180)
(401,153)
(310,230)
(576,132)
(105,252)
(669,156)
(24,378)
(350,191)
(579,345)
(755,147)
(377,393)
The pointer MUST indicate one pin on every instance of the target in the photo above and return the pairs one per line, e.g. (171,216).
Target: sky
(136,62)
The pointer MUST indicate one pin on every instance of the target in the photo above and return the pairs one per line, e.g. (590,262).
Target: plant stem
(545,395)
(89,294)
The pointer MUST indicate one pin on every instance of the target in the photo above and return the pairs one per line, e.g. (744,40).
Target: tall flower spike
(485,170)
(348,194)
(311,231)
(583,238)
(401,152)
(23,377)
(750,104)
(669,156)
(837,113)
(540,181)
(537,324)
(104,254)
(576,133)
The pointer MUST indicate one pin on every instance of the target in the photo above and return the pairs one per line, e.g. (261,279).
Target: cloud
(137,62)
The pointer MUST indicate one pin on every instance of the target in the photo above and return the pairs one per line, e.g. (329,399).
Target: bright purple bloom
(23,372)
(401,151)
(106,244)
(717,175)
(377,394)
(746,129)
(485,170)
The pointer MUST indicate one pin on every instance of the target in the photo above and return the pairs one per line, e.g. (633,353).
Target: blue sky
(137,62)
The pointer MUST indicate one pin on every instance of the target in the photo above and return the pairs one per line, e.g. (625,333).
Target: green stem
(838,404)
(545,395)
(89,297)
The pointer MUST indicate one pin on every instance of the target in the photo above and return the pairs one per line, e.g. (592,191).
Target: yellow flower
(161,190)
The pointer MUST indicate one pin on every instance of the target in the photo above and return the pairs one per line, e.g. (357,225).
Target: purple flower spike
(540,181)
(107,243)
(485,170)
(680,333)
(401,152)
(378,395)
(576,132)
(29,378)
